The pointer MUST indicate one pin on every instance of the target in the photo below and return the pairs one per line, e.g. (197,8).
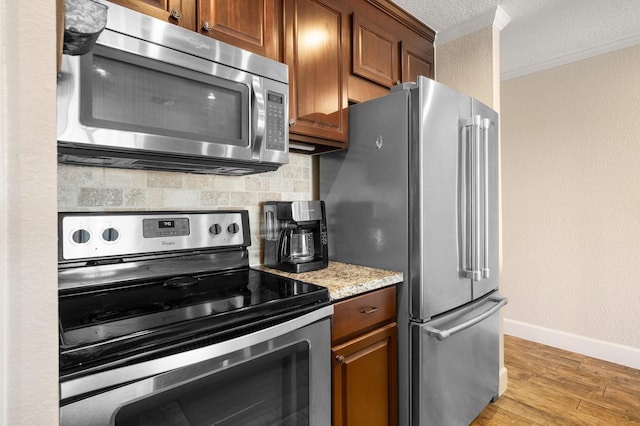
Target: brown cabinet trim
(408,20)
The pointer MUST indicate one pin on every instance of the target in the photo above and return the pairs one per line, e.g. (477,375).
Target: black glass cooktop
(106,325)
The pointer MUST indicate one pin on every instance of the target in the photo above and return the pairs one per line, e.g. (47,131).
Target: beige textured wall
(470,64)
(101,189)
(571,198)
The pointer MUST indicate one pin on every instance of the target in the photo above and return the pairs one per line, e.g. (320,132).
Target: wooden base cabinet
(364,339)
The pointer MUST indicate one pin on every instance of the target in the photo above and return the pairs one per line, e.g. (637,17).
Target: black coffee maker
(295,235)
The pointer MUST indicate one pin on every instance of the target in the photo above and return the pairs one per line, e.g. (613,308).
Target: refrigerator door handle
(472,256)
(485,125)
(444,334)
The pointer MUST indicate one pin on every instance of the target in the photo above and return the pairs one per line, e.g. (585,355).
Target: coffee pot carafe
(295,235)
(297,246)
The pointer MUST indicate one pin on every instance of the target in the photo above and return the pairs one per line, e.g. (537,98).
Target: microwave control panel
(275,121)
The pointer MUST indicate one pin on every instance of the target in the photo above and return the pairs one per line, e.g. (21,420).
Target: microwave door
(163,107)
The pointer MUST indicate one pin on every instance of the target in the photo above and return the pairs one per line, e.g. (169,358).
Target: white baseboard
(502,386)
(612,352)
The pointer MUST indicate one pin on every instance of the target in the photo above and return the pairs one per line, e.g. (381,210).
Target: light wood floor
(549,386)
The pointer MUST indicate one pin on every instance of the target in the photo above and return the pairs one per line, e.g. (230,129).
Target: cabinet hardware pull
(369,310)
(292,122)
(206,25)
(176,13)
(340,359)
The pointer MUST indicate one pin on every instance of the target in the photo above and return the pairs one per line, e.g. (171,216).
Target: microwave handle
(260,115)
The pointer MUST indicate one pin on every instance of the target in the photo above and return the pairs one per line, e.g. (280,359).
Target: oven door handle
(76,388)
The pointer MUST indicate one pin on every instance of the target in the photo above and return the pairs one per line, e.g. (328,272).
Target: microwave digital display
(274,98)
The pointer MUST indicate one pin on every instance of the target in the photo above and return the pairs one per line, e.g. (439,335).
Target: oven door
(276,376)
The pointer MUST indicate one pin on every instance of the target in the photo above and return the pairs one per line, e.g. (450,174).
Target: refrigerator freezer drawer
(456,364)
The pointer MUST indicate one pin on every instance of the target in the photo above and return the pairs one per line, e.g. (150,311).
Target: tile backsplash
(91,189)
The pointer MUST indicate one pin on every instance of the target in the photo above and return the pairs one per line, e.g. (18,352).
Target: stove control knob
(215,229)
(110,235)
(81,236)
(233,228)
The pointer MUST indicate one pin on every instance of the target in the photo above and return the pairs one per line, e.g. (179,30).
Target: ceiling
(536,34)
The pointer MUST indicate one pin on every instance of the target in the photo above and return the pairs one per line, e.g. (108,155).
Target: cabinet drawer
(364,312)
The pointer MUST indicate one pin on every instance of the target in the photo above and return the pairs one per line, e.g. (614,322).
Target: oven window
(129,92)
(271,389)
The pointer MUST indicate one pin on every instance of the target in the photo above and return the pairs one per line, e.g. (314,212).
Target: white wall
(28,229)
(571,206)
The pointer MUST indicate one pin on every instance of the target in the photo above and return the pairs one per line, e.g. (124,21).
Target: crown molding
(576,56)
(496,17)
(501,19)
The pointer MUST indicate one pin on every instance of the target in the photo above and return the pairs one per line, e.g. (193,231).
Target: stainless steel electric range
(162,321)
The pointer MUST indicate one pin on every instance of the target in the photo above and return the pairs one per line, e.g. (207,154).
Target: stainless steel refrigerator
(417,191)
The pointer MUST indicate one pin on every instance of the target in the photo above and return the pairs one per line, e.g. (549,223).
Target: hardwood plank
(542,397)
(502,415)
(610,417)
(550,386)
(571,382)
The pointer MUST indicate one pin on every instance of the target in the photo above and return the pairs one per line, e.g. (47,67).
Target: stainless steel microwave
(151,95)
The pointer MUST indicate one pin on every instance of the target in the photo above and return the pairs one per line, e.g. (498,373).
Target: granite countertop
(343,279)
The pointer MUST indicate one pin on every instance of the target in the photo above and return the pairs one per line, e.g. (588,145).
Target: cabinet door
(253,25)
(374,52)
(416,61)
(316,46)
(178,12)
(364,379)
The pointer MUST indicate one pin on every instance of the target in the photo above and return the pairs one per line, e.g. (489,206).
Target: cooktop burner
(99,324)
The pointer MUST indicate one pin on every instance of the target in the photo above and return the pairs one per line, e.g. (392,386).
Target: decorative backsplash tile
(105,189)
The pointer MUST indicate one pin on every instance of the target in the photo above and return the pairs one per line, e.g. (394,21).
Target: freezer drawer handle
(369,310)
(443,334)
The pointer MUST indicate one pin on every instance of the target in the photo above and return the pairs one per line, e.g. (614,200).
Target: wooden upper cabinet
(389,46)
(178,12)
(316,50)
(374,52)
(253,25)
(416,61)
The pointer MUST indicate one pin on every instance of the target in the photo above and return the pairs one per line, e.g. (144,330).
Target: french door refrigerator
(417,192)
